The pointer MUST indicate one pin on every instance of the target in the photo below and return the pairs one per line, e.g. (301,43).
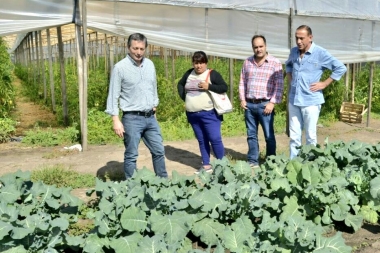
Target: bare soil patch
(182,156)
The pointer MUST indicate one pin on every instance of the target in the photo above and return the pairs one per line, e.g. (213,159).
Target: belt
(256,101)
(140,113)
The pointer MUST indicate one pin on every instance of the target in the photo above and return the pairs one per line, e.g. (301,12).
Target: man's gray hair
(138,37)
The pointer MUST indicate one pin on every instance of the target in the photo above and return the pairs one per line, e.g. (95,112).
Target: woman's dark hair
(200,57)
(138,37)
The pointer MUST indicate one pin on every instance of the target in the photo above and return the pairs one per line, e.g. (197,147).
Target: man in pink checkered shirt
(261,87)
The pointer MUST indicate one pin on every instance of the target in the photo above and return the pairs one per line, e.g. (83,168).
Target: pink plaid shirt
(262,82)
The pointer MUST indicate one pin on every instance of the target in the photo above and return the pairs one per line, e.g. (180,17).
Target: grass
(375,115)
(61,176)
(59,153)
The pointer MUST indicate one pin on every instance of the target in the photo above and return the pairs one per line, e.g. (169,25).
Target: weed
(60,176)
(51,137)
(82,227)
(59,153)
(7,128)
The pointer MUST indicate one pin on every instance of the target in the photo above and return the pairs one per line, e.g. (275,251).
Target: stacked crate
(352,113)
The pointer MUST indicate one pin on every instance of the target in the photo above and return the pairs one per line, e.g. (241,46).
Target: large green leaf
(375,187)
(334,244)
(306,235)
(5,227)
(242,168)
(233,239)
(106,206)
(326,173)
(152,244)
(74,241)
(348,197)
(53,203)
(293,167)
(20,232)
(311,174)
(298,230)
(9,193)
(326,218)
(181,179)
(172,227)
(269,224)
(229,190)
(338,183)
(8,213)
(208,230)
(244,224)
(55,237)
(291,208)
(44,192)
(238,234)
(68,198)
(133,219)
(354,221)
(168,194)
(42,221)
(145,175)
(102,223)
(369,214)
(94,244)
(339,211)
(209,200)
(126,244)
(281,183)
(185,247)
(61,223)
(18,249)
(343,155)
(250,191)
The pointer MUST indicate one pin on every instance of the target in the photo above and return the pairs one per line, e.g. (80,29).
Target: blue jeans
(254,116)
(207,130)
(137,127)
(300,118)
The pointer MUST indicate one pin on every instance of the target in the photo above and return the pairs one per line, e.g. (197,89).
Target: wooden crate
(352,113)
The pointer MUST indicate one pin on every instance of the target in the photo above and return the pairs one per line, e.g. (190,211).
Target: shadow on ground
(182,156)
(235,155)
(113,171)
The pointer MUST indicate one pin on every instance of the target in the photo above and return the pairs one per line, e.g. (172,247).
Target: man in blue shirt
(304,69)
(134,84)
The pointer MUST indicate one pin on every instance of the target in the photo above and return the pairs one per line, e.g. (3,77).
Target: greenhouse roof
(349,29)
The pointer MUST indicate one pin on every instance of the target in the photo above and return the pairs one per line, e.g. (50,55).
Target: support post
(370,93)
(81,41)
(63,77)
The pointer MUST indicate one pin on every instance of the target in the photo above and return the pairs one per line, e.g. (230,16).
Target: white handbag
(222,103)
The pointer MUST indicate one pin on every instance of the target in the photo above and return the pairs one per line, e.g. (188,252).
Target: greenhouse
(60,54)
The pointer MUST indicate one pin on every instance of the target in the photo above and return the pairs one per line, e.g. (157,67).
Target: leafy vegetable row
(285,206)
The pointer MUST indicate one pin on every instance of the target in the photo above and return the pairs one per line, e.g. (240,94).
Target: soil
(182,156)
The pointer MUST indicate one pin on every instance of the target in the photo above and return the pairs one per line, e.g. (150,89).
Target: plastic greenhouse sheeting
(348,29)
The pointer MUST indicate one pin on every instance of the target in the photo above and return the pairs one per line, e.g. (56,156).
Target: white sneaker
(208,170)
(254,166)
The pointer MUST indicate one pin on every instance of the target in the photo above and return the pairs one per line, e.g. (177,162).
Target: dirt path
(28,114)
(182,156)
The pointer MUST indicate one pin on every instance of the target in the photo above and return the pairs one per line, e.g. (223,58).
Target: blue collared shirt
(135,87)
(308,70)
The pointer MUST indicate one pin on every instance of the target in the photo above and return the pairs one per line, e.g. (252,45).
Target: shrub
(51,137)
(100,128)
(60,176)
(7,93)
(7,128)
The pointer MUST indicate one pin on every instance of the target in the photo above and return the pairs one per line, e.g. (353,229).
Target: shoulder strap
(208,75)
